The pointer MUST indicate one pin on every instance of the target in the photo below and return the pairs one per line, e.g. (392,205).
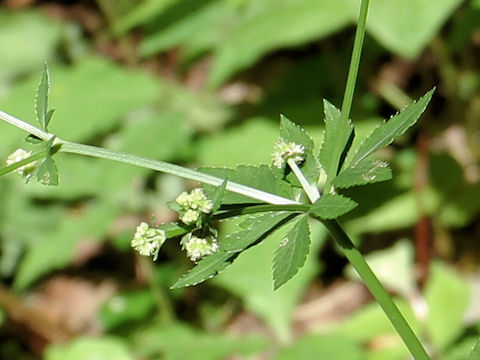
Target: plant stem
(355,61)
(311,190)
(36,156)
(379,293)
(173,169)
(157,165)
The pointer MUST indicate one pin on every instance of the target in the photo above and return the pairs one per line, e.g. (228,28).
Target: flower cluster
(147,240)
(192,205)
(27,170)
(199,247)
(287,150)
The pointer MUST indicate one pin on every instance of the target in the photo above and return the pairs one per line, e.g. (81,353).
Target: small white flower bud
(147,241)
(190,216)
(284,151)
(26,170)
(198,247)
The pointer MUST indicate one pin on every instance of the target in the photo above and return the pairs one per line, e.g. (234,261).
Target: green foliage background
(203,83)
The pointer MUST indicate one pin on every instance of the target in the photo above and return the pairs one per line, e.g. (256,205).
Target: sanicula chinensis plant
(270,194)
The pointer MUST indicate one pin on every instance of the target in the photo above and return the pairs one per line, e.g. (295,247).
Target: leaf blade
(41,99)
(367,171)
(259,229)
(205,269)
(384,135)
(338,135)
(331,206)
(291,253)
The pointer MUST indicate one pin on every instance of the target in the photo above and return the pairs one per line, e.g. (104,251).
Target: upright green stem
(379,293)
(355,61)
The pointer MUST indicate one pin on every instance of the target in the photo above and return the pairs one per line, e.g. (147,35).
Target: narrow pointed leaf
(331,206)
(388,131)
(217,196)
(367,171)
(205,269)
(261,227)
(291,253)
(41,99)
(338,137)
(291,132)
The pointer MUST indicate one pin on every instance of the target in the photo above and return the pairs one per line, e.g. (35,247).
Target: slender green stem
(310,190)
(34,157)
(157,165)
(355,61)
(379,293)
(172,169)
(253,209)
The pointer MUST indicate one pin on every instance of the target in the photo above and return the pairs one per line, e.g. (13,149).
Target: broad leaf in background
(447,296)
(103,348)
(388,131)
(367,171)
(338,136)
(205,269)
(407,26)
(284,24)
(223,149)
(261,227)
(142,13)
(90,98)
(292,253)
(250,278)
(56,248)
(322,347)
(31,38)
(180,341)
(331,206)
(291,132)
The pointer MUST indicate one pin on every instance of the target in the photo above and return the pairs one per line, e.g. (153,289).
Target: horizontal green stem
(379,293)
(157,165)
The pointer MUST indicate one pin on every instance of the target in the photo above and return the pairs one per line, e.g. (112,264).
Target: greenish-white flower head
(147,240)
(26,170)
(190,217)
(193,204)
(284,151)
(199,247)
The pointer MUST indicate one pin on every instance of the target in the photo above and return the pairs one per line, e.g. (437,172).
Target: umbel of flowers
(190,207)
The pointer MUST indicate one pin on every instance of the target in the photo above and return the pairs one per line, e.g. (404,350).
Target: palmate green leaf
(367,171)
(383,135)
(291,253)
(289,131)
(475,353)
(336,142)
(262,226)
(261,177)
(205,269)
(331,206)
(41,99)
